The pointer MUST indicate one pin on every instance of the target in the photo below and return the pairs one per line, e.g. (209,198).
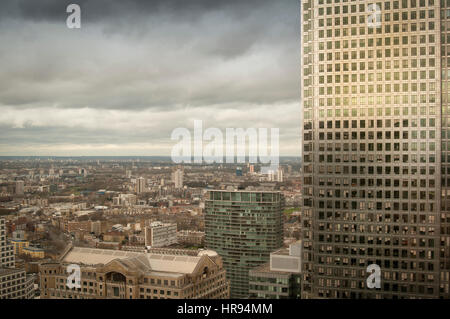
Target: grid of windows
(243,228)
(7,258)
(371,148)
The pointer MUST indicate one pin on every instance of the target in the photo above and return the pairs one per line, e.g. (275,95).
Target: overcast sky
(136,70)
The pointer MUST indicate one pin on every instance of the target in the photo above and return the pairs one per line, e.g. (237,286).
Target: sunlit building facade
(375,130)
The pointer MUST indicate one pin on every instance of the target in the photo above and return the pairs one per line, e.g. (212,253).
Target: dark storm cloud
(138,69)
(97,10)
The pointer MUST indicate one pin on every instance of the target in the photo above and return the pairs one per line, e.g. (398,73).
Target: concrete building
(244,227)
(34,252)
(111,274)
(280,175)
(7,259)
(140,185)
(177,177)
(96,227)
(376,151)
(19,234)
(191,237)
(125,200)
(15,284)
(280,278)
(158,234)
(20,186)
(19,245)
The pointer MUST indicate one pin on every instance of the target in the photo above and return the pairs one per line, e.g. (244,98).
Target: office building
(7,259)
(14,283)
(243,227)
(376,151)
(112,274)
(159,234)
(280,278)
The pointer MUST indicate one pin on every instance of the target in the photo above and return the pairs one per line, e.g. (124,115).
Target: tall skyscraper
(140,185)
(177,177)
(376,148)
(243,227)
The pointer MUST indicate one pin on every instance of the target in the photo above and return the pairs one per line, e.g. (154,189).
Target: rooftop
(265,268)
(167,263)
(9,271)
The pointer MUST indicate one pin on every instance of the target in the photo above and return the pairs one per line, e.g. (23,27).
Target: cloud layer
(136,70)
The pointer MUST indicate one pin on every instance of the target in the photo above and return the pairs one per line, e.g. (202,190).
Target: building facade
(280,278)
(19,245)
(7,259)
(14,283)
(20,186)
(177,177)
(375,151)
(140,185)
(159,234)
(243,227)
(191,237)
(111,274)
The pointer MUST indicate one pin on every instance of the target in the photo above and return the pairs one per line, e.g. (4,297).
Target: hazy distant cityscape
(59,211)
(143,151)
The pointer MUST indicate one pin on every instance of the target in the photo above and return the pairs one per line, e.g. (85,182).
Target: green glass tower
(244,227)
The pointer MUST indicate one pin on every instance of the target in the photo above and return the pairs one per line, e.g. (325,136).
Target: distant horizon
(116,156)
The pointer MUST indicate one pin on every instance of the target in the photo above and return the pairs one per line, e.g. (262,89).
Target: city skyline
(246,150)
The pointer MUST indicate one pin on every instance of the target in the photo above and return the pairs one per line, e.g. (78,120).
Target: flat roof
(243,191)
(163,263)
(9,271)
(265,268)
(33,248)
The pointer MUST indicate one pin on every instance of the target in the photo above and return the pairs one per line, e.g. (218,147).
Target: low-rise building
(114,236)
(165,274)
(19,246)
(34,252)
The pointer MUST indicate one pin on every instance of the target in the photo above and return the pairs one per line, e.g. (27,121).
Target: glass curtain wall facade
(374,102)
(243,228)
